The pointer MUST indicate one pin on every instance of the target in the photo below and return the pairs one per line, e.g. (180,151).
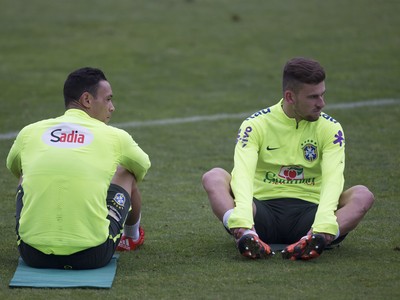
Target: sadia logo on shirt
(67,135)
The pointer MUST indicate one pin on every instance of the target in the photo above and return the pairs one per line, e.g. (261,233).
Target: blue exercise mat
(26,276)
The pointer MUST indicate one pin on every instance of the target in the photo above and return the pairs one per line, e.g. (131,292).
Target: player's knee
(213,178)
(208,178)
(121,171)
(123,178)
(365,197)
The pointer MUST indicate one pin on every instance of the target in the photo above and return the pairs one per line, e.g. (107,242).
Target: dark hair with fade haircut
(300,70)
(82,80)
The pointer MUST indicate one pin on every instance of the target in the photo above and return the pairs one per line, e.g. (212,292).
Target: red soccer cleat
(309,247)
(251,246)
(128,244)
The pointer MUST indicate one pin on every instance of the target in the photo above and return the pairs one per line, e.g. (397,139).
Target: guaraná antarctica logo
(288,175)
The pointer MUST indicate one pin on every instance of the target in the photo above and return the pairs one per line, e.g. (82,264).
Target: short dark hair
(82,80)
(300,70)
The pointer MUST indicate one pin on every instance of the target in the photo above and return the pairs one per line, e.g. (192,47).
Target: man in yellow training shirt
(78,181)
(286,186)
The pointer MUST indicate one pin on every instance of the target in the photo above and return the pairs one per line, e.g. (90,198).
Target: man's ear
(86,99)
(289,96)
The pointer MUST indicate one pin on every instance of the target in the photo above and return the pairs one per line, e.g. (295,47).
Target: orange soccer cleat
(251,246)
(128,244)
(309,247)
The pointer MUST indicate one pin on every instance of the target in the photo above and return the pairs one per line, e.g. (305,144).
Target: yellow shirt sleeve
(332,169)
(245,163)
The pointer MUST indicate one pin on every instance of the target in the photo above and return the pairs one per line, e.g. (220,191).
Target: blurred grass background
(175,58)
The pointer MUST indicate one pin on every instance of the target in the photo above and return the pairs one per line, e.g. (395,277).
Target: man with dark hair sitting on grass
(78,181)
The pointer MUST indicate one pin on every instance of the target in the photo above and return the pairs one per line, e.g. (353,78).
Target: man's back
(68,163)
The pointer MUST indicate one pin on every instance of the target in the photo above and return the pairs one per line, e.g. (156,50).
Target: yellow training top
(67,165)
(276,157)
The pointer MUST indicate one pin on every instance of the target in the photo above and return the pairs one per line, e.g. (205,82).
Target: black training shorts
(283,221)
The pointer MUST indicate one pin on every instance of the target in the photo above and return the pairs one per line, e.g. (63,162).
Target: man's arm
(133,158)
(332,166)
(14,156)
(245,162)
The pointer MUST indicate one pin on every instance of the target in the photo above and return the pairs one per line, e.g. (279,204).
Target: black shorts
(283,221)
(118,204)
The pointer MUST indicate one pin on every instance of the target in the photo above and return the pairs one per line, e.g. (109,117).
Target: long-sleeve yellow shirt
(276,157)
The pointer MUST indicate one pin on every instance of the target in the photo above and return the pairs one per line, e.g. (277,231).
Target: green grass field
(177,59)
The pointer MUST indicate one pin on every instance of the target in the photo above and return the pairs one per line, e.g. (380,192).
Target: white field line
(193,119)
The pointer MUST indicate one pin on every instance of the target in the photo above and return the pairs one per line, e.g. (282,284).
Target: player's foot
(128,244)
(309,247)
(251,246)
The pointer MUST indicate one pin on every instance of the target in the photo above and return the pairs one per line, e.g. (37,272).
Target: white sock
(226,217)
(132,231)
(337,235)
(250,231)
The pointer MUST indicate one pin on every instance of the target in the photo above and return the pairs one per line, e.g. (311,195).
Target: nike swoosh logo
(272,148)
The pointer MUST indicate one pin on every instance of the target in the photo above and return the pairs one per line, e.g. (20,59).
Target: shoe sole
(313,249)
(316,244)
(249,247)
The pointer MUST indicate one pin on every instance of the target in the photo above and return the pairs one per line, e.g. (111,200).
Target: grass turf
(174,59)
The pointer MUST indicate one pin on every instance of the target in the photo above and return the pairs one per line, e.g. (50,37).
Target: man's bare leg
(216,183)
(127,181)
(354,203)
(133,233)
